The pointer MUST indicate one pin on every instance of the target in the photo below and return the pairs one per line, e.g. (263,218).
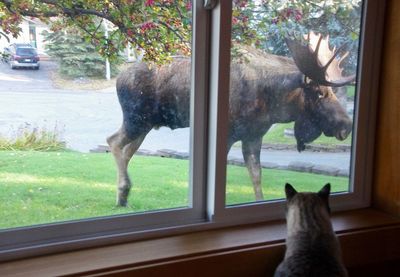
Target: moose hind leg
(123,149)
(251,154)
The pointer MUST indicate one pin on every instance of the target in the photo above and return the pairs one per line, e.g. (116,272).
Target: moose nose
(343,133)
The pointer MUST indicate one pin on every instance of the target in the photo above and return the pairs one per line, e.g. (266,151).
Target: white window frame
(209,117)
(47,238)
(363,134)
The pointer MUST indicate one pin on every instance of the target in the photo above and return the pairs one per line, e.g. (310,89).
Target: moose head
(322,72)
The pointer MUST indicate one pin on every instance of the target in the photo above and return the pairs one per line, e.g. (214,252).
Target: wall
(386,191)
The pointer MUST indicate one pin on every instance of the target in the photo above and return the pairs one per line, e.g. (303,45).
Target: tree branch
(52,13)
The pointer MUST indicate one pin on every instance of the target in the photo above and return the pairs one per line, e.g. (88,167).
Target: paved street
(86,118)
(26,79)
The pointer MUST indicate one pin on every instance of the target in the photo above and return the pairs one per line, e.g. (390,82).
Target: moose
(264,90)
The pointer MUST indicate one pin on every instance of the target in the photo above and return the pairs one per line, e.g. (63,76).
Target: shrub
(27,137)
(76,56)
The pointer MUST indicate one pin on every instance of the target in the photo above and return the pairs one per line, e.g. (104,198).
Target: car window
(26,51)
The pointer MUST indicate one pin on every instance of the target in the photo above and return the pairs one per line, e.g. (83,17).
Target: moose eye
(321,94)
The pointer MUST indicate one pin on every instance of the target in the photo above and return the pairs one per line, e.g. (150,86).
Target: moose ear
(290,191)
(325,191)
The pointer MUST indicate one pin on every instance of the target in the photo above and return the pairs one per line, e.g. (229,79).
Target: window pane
(285,127)
(55,163)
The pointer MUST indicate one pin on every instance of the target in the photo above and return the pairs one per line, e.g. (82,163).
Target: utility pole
(108,70)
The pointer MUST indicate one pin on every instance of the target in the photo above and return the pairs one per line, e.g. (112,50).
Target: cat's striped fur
(312,248)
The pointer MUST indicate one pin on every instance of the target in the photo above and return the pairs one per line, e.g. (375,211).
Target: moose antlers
(318,62)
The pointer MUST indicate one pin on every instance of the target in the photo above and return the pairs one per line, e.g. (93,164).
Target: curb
(312,147)
(293,166)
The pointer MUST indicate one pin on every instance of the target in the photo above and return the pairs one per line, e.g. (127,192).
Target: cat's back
(312,259)
(293,270)
(312,248)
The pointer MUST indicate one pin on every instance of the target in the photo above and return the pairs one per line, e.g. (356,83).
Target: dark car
(22,55)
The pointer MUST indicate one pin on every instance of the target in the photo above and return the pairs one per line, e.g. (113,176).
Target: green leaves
(265,24)
(159,28)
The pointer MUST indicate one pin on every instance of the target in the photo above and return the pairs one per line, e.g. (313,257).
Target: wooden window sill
(266,239)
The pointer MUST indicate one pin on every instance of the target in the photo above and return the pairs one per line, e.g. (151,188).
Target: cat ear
(290,191)
(325,191)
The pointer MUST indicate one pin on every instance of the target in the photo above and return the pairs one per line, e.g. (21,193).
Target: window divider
(218,108)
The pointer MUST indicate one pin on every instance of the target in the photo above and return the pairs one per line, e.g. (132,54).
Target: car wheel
(12,66)
(36,68)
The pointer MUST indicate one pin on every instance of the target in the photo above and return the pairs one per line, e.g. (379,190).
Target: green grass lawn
(351,91)
(43,187)
(240,189)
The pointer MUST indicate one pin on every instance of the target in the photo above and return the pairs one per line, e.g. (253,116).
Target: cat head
(292,195)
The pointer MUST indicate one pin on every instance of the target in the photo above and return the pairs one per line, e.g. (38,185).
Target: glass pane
(67,134)
(291,119)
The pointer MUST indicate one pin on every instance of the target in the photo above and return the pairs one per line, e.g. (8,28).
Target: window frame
(371,34)
(52,237)
(207,210)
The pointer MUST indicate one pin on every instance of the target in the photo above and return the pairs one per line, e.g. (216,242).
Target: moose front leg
(123,149)
(251,153)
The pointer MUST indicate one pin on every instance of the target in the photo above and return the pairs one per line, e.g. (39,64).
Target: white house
(31,33)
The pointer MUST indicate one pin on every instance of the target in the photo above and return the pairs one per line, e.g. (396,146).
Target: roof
(35,21)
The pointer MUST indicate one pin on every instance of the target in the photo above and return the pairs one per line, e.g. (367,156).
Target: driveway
(26,79)
(86,118)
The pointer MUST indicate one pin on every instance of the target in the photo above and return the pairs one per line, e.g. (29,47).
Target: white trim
(27,241)
(218,109)
(363,143)
(198,108)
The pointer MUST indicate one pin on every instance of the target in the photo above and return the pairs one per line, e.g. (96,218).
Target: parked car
(22,55)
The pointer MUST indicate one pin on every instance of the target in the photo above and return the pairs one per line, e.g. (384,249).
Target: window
(355,191)
(207,199)
(26,51)
(271,123)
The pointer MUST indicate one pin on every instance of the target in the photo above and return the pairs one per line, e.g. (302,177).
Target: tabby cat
(312,248)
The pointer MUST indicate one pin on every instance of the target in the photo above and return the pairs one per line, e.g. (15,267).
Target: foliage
(37,139)
(45,187)
(271,21)
(3,56)
(76,57)
(162,28)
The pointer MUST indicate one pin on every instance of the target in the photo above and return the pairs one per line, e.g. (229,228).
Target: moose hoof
(259,196)
(122,202)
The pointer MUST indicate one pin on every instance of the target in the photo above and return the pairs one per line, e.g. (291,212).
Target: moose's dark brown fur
(266,89)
